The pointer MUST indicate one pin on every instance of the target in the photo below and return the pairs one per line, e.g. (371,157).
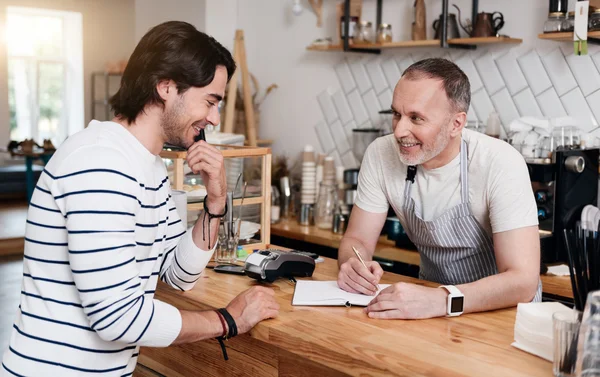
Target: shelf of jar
(424,43)
(566,36)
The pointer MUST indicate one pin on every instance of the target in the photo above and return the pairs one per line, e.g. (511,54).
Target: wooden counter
(559,286)
(340,341)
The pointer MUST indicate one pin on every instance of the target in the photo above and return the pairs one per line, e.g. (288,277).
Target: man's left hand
(408,301)
(207,160)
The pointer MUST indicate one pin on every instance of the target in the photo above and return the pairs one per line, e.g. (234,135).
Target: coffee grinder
(562,186)
(361,139)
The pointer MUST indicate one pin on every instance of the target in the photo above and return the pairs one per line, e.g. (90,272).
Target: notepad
(327,293)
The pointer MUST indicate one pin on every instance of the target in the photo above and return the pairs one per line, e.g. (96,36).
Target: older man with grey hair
(465,200)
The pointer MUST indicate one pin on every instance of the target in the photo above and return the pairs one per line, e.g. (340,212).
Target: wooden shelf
(425,43)
(484,41)
(566,37)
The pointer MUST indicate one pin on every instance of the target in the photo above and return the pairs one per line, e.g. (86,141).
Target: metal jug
(452,27)
(486,24)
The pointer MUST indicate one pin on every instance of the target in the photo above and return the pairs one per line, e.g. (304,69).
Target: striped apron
(454,248)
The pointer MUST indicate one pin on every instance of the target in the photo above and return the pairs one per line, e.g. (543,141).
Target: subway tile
(404,61)
(559,72)
(327,107)
(534,72)
(373,107)
(357,107)
(345,76)
(481,103)
(593,101)
(385,99)
(391,72)
(336,158)
(324,137)
(550,104)
(577,107)
(511,72)
(585,73)
(341,105)
(505,107)
(376,75)
(360,75)
(526,104)
(466,64)
(366,124)
(348,130)
(489,73)
(471,113)
(339,136)
(349,161)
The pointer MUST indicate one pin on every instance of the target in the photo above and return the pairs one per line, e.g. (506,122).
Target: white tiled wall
(523,81)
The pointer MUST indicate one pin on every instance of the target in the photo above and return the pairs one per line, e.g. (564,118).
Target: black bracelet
(210,217)
(230,323)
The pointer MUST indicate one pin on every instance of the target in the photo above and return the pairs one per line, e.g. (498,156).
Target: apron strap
(464,177)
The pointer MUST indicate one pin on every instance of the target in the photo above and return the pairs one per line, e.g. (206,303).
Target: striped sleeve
(183,261)
(97,192)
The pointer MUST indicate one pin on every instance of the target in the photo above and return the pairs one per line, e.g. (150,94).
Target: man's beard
(426,153)
(173,130)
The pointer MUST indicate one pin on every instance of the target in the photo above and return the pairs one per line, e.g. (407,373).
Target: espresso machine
(562,186)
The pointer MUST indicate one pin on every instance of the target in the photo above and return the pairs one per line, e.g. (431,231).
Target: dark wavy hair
(173,50)
(455,81)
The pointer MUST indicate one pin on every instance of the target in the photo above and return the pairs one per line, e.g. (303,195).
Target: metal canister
(340,223)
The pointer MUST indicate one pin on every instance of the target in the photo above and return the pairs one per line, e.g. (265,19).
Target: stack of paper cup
(329,171)
(309,173)
(320,162)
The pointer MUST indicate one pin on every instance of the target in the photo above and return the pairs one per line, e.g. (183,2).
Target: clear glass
(228,242)
(566,137)
(588,348)
(566,329)
(568,23)
(384,33)
(554,23)
(365,33)
(275,205)
(326,205)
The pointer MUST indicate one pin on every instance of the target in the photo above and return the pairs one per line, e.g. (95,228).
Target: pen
(359,257)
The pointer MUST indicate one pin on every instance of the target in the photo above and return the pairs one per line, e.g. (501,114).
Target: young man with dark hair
(102,227)
(465,200)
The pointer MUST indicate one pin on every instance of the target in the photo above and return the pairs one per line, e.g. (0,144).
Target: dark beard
(173,131)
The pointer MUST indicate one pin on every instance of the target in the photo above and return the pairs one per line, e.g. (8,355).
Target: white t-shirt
(500,189)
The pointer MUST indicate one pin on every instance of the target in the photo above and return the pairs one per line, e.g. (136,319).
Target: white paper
(327,293)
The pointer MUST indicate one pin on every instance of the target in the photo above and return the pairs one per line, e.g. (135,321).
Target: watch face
(456,306)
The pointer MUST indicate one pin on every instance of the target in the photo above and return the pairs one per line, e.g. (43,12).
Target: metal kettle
(486,24)
(452,27)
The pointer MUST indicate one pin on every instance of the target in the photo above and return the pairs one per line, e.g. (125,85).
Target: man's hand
(355,278)
(252,306)
(408,301)
(207,160)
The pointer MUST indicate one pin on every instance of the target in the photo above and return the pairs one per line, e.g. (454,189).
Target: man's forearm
(196,326)
(497,291)
(210,232)
(345,251)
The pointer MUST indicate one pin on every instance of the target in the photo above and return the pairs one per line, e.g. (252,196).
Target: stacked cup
(309,176)
(329,171)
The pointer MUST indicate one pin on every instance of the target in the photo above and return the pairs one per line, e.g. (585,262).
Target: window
(45,73)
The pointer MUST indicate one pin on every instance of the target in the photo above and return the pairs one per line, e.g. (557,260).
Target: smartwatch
(456,301)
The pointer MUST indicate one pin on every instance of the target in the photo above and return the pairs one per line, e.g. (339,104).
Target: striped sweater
(101,230)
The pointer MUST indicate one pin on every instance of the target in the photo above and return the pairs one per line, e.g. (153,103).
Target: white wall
(501,76)
(108,35)
(149,13)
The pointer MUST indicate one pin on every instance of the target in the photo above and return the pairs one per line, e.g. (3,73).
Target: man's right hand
(252,306)
(355,278)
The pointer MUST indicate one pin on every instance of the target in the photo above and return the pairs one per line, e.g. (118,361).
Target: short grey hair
(455,81)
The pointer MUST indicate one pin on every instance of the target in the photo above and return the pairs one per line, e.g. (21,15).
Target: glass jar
(594,20)
(568,23)
(554,22)
(365,33)
(326,205)
(275,205)
(384,33)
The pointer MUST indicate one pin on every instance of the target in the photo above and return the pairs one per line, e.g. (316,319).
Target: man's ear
(458,123)
(164,88)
